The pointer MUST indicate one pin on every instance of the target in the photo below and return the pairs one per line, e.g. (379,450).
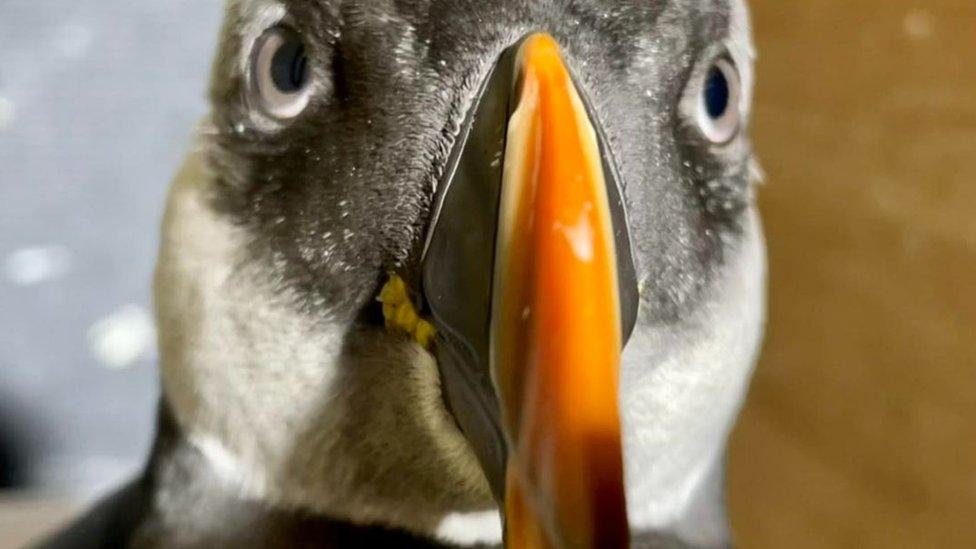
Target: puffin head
(436,258)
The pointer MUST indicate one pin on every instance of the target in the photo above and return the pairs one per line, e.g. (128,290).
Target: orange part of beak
(556,327)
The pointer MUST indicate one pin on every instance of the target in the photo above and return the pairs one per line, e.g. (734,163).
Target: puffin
(455,273)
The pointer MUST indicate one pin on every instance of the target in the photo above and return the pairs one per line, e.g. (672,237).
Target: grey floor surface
(98,101)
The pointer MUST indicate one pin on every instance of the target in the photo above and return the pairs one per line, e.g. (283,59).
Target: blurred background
(97,104)
(860,429)
(861,425)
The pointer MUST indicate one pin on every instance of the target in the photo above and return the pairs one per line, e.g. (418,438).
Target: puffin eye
(280,75)
(718,110)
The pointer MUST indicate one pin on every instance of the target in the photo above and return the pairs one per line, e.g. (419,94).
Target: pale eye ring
(719,111)
(280,73)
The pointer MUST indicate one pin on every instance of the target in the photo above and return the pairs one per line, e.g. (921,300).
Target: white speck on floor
(919,24)
(31,266)
(119,340)
(471,528)
(7,112)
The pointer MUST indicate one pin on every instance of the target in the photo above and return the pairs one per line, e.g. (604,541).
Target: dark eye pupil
(716,93)
(289,67)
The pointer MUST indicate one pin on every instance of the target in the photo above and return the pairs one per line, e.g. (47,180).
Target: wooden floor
(861,427)
(27,520)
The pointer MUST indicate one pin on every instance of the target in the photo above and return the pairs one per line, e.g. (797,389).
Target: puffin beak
(556,329)
(529,277)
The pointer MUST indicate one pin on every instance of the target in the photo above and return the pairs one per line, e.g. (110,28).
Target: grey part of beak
(459,256)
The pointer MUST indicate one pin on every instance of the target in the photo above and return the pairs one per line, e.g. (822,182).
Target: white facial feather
(277,402)
(681,388)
